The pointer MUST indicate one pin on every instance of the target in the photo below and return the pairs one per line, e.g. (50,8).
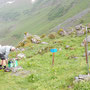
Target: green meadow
(44,76)
(39,18)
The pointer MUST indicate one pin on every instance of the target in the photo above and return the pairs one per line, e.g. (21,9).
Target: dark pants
(2,57)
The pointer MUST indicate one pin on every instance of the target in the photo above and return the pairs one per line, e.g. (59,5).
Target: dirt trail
(71,21)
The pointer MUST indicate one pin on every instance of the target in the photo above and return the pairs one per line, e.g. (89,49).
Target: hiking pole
(86,51)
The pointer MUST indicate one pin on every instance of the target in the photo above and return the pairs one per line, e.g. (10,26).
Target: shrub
(57,41)
(33,78)
(29,38)
(25,33)
(27,42)
(43,35)
(81,21)
(61,30)
(84,31)
(52,35)
(21,44)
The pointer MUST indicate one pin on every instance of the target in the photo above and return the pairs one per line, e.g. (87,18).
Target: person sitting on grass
(4,52)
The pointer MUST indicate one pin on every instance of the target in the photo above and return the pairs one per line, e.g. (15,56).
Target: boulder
(88,26)
(67,47)
(36,39)
(60,49)
(20,49)
(81,32)
(72,57)
(88,31)
(70,31)
(78,27)
(88,41)
(28,40)
(44,43)
(21,55)
(82,78)
(75,57)
(63,33)
(82,44)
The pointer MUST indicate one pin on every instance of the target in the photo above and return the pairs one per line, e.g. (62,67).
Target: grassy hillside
(39,17)
(45,77)
(47,18)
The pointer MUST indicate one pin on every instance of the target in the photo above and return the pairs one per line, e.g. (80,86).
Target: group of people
(4,52)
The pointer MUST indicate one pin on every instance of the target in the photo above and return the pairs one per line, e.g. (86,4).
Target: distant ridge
(70,21)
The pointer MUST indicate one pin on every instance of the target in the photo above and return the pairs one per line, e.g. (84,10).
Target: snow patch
(33,1)
(10,2)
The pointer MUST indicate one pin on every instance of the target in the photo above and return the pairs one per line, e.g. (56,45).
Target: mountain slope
(68,64)
(41,16)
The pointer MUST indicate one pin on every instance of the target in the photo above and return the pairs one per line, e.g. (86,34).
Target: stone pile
(21,55)
(80,30)
(82,78)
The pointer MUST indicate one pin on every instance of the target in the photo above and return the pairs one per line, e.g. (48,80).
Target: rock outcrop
(82,78)
(36,39)
(80,30)
(21,55)
(29,39)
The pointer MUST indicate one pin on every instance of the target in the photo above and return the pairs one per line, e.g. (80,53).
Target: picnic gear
(4,67)
(7,70)
(12,63)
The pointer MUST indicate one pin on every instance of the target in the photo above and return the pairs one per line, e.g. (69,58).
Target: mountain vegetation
(37,27)
(69,63)
(38,17)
